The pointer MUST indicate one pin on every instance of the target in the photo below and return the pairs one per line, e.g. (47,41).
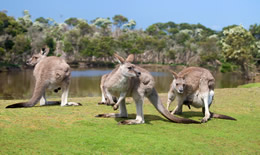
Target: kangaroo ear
(175,75)
(45,51)
(130,58)
(119,59)
(42,51)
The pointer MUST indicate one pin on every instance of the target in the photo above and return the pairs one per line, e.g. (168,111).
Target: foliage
(238,46)
(209,50)
(130,25)
(255,30)
(119,20)
(49,41)
(99,47)
(80,39)
(130,43)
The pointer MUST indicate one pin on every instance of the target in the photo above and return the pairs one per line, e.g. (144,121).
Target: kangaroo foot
(130,122)
(111,115)
(102,103)
(72,104)
(205,119)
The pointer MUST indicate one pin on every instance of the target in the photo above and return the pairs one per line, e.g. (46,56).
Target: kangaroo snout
(181,91)
(138,74)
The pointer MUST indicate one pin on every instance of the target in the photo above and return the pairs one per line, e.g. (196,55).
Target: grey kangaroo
(128,79)
(49,72)
(194,86)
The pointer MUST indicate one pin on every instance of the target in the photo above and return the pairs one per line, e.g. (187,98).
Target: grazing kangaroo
(194,86)
(128,79)
(49,72)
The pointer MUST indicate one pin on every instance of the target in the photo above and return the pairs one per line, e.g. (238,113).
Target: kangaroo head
(126,67)
(36,58)
(179,82)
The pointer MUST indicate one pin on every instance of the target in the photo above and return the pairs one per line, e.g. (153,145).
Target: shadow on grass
(21,105)
(189,114)
(147,117)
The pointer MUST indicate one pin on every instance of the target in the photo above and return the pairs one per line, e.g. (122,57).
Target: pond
(85,82)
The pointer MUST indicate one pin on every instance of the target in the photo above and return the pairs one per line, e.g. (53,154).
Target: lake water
(85,82)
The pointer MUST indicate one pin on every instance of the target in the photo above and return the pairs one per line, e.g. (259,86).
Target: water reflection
(85,82)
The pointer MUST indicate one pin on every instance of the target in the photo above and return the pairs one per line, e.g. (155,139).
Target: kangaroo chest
(119,85)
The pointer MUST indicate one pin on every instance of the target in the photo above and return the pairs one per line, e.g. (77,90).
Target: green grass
(250,85)
(75,130)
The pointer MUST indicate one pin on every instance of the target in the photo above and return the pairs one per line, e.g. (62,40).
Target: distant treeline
(96,40)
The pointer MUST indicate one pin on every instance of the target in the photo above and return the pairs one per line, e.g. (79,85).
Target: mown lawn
(75,130)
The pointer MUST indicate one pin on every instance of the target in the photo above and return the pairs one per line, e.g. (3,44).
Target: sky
(214,14)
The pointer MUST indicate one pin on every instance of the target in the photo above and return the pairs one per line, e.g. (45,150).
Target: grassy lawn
(75,130)
(250,85)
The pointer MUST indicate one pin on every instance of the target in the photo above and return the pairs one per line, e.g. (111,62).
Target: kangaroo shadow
(50,103)
(147,117)
(189,114)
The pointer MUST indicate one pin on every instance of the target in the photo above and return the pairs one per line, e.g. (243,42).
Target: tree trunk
(245,71)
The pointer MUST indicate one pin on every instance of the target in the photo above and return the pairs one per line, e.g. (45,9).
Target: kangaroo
(128,79)
(49,72)
(194,86)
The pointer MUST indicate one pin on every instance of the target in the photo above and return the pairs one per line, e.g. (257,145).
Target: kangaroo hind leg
(122,112)
(64,96)
(139,101)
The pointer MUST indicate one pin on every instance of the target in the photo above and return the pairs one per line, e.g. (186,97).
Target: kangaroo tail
(155,100)
(213,115)
(37,94)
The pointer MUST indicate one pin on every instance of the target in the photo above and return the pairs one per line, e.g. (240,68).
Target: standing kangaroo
(128,79)
(49,72)
(194,86)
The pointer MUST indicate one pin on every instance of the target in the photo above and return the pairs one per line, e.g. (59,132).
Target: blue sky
(214,14)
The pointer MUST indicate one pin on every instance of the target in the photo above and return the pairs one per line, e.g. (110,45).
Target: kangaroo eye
(129,68)
(177,84)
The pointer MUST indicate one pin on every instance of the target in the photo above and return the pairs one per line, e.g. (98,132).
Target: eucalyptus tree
(119,20)
(238,46)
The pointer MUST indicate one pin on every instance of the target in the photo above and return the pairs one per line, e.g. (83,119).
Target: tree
(72,22)
(130,42)
(99,47)
(119,20)
(26,19)
(49,41)
(255,30)
(85,28)
(156,30)
(130,25)
(42,20)
(21,49)
(104,24)
(237,47)
(209,50)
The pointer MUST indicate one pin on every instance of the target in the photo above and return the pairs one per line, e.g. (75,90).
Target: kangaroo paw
(115,107)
